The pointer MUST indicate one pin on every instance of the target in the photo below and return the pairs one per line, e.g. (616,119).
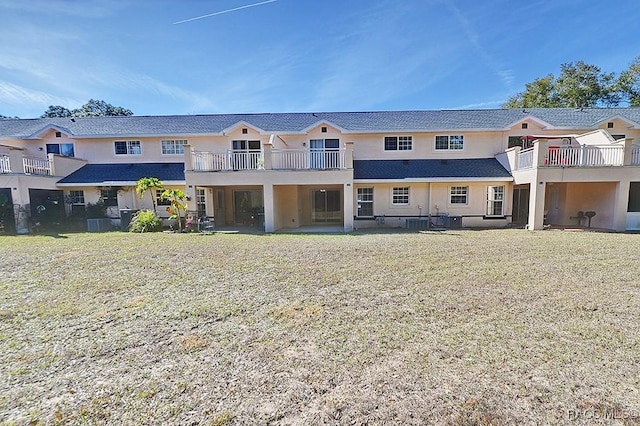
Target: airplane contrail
(224,11)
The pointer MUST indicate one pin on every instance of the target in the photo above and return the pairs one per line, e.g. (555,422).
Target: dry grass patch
(458,327)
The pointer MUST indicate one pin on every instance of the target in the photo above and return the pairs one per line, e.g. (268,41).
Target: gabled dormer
(617,126)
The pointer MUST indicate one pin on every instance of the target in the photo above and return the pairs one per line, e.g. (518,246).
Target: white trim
(633,124)
(319,123)
(38,133)
(529,117)
(451,179)
(127,142)
(398,150)
(408,203)
(448,149)
(242,123)
(118,183)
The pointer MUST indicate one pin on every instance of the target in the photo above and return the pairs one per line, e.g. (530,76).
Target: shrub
(145,221)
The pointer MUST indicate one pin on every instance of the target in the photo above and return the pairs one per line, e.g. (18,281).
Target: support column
(269,216)
(536,205)
(15,161)
(348,206)
(188,166)
(620,206)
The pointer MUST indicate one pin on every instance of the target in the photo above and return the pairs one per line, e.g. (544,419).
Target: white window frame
(454,142)
(173,146)
(398,193)
(60,150)
(133,147)
(76,197)
(495,195)
(161,201)
(402,143)
(458,191)
(363,199)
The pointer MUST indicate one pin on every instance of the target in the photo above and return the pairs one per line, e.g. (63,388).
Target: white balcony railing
(525,159)
(302,159)
(584,156)
(281,159)
(230,160)
(5,164)
(36,166)
(635,155)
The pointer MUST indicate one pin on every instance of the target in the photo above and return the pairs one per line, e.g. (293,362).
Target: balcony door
(245,154)
(324,153)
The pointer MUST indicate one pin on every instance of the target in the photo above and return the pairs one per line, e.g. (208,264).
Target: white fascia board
(542,123)
(136,136)
(242,123)
(36,134)
(445,131)
(435,180)
(632,124)
(320,123)
(119,183)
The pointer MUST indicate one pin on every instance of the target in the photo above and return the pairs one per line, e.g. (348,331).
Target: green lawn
(467,327)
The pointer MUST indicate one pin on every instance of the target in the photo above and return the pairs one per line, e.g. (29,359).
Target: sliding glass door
(326,206)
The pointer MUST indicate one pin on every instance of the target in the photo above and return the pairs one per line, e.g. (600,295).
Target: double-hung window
(495,201)
(127,147)
(400,196)
(365,202)
(173,147)
(109,196)
(454,143)
(76,197)
(398,143)
(161,201)
(458,194)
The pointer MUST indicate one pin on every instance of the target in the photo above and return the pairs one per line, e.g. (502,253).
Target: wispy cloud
(83,9)
(480,105)
(506,75)
(224,11)
(22,97)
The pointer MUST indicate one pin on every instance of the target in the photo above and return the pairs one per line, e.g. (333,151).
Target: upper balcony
(580,156)
(552,154)
(270,159)
(16,163)
(26,165)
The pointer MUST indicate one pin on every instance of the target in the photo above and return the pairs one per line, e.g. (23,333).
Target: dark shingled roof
(125,172)
(425,169)
(372,122)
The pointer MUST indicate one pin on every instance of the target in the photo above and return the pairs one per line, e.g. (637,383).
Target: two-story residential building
(461,168)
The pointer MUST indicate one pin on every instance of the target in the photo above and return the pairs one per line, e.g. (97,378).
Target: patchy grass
(461,328)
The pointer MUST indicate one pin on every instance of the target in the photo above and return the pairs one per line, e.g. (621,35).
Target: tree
(629,83)
(178,206)
(56,111)
(579,85)
(583,85)
(149,184)
(540,93)
(93,108)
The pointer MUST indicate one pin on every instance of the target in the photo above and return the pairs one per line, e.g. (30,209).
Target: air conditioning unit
(99,225)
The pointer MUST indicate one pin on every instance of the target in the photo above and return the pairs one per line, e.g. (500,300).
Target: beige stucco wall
(577,196)
(433,198)
(20,185)
(287,208)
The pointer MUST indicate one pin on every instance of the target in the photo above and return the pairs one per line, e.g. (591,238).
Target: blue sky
(298,55)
